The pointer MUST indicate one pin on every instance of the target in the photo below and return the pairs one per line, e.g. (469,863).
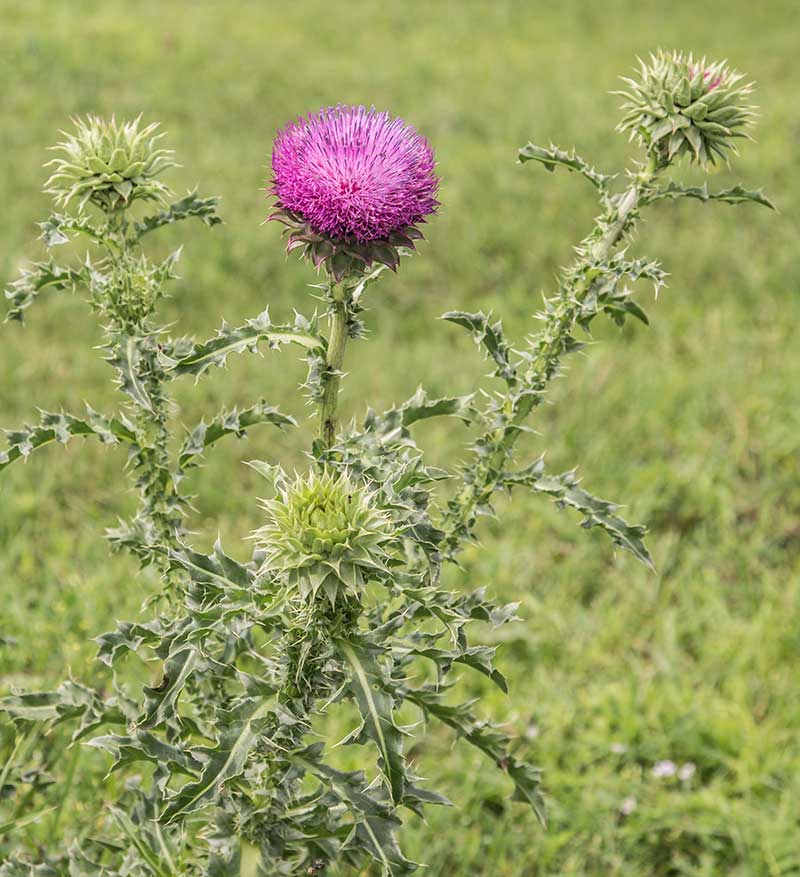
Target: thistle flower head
(679,105)
(352,182)
(110,164)
(324,532)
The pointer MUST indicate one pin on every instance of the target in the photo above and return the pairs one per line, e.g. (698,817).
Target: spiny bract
(678,105)
(324,533)
(109,163)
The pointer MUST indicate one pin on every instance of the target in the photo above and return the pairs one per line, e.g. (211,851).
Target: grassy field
(694,422)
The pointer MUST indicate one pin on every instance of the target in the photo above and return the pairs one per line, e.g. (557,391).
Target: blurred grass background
(694,422)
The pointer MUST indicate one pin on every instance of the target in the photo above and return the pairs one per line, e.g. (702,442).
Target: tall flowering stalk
(351,185)
(342,600)
(675,107)
(103,169)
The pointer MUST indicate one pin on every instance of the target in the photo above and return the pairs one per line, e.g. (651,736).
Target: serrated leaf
(61,427)
(195,359)
(232,422)
(40,276)
(374,823)
(376,837)
(554,157)
(597,512)
(127,637)
(489,335)
(735,195)
(351,786)
(146,746)
(70,700)
(57,228)
(377,712)
(419,407)
(159,862)
(489,739)
(226,762)
(215,572)
(126,357)
(160,704)
(479,658)
(189,206)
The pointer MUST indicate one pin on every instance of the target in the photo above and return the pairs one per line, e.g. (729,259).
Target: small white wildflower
(627,806)
(664,769)
(686,771)
(618,748)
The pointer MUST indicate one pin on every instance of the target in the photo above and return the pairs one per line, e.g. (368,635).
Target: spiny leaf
(187,358)
(351,787)
(161,700)
(597,512)
(374,823)
(490,335)
(554,157)
(214,573)
(377,712)
(126,356)
(736,195)
(479,658)
(57,229)
(376,836)
(145,746)
(488,739)
(155,860)
(60,427)
(419,407)
(42,275)
(227,760)
(204,209)
(70,700)
(233,422)
(127,637)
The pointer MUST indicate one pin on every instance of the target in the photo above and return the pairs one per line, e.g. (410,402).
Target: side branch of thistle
(587,287)
(677,107)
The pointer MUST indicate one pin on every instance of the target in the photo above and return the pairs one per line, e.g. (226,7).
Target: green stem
(128,317)
(550,347)
(65,789)
(337,342)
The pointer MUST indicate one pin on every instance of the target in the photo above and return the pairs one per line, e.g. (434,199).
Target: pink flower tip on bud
(351,185)
(676,105)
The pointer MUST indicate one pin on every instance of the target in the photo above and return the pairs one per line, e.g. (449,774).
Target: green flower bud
(678,106)
(110,164)
(324,534)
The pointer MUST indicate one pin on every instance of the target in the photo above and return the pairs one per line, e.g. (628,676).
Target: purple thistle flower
(354,174)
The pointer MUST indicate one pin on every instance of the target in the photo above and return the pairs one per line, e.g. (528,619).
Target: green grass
(693,422)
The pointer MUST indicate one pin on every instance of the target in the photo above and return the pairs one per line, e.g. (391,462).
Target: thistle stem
(548,350)
(337,342)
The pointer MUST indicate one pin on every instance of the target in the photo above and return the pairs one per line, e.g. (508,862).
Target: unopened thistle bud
(110,164)
(677,105)
(324,534)
(351,185)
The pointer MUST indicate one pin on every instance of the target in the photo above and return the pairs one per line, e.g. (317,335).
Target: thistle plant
(342,608)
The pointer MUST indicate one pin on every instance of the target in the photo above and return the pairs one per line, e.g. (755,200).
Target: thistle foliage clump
(345,606)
